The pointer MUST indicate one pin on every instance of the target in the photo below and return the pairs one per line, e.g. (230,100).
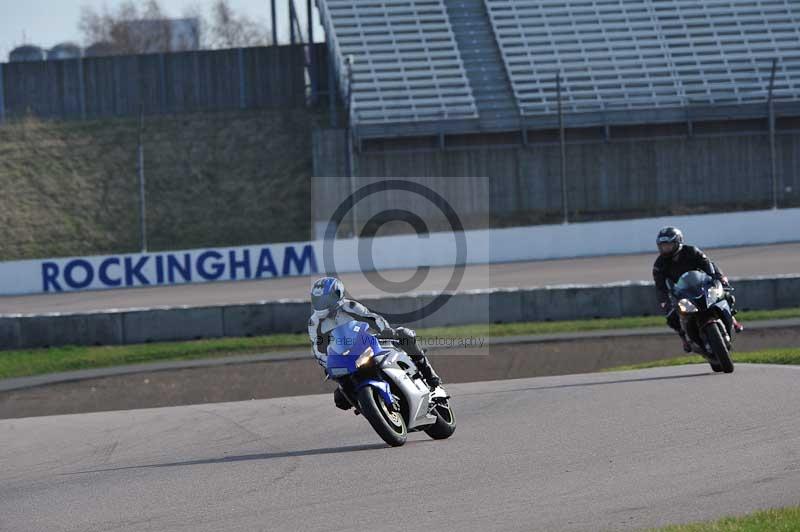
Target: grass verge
(553,327)
(775,520)
(787,356)
(27,362)
(21,363)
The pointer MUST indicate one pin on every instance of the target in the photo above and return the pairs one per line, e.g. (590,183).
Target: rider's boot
(340,400)
(428,375)
(408,342)
(738,327)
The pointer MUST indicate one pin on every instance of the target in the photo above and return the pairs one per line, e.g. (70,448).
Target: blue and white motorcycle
(382,383)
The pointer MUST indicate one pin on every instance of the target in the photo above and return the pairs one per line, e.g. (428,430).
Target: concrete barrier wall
(436,249)
(291,316)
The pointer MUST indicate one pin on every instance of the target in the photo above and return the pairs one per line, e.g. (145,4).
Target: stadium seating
(406,64)
(637,54)
(458,66)
(497,108)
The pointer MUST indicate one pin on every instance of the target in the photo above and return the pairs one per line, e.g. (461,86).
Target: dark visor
(665,247)
(324,301)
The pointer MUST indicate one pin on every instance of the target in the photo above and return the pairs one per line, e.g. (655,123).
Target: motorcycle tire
(389,425)
(719,349)
(445,424)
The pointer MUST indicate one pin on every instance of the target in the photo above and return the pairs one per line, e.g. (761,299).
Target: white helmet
(327,294)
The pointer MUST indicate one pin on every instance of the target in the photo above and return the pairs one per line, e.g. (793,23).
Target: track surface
(582,452)
(736,262)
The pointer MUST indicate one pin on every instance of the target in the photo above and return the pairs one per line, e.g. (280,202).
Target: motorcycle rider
(332,308)
(676,258)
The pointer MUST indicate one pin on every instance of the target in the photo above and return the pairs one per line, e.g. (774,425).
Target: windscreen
(691,284)
(350,338)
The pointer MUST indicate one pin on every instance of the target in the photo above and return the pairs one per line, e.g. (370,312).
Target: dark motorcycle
(704,309)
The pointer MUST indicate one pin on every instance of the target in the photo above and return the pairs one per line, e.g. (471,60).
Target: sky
(49,22)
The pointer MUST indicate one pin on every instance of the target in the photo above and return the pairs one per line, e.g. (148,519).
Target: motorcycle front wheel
(719,349)
(389,424)
(445,424)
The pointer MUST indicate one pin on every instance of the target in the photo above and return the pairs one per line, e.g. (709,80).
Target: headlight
(365,359)
(716,291)
(686,306)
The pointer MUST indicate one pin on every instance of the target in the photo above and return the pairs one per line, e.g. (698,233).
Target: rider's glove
(388,333)
(406,336)
(403,332)
(724,281)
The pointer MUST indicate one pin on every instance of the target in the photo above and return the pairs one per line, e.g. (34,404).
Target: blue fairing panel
(382,387)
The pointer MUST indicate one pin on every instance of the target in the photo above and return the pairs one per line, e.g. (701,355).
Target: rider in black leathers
(674,259)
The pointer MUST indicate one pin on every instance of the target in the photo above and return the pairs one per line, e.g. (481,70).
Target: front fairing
(696,286)
(712,306)
(348,342)
(340,365)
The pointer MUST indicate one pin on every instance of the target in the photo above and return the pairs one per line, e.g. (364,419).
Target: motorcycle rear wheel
(719,348)
(389,425)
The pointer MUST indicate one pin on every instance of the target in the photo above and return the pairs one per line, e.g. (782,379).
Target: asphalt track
(736,262)
(614,451)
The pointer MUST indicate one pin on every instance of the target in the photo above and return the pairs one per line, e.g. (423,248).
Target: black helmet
(669,241)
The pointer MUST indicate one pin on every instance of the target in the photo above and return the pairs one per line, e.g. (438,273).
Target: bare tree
(132,28)
(143,27)
(143,31)
(199,30)
(230,30)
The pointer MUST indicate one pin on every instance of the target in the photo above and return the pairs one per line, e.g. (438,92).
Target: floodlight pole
(2,97)
(291,22)
(772,148)
(140,169)
(274,18)
(562,142)
(349,139)
(310,21)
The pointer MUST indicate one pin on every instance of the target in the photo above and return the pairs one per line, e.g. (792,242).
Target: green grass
(544,327)
(775,520)
(552,327)
(779,314)
(20,363)
(787,356)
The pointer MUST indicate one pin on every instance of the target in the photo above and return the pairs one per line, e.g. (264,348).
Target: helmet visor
(667,248)
(325,301)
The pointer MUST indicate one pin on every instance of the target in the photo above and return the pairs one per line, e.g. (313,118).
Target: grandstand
(664,106)
(433,67)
